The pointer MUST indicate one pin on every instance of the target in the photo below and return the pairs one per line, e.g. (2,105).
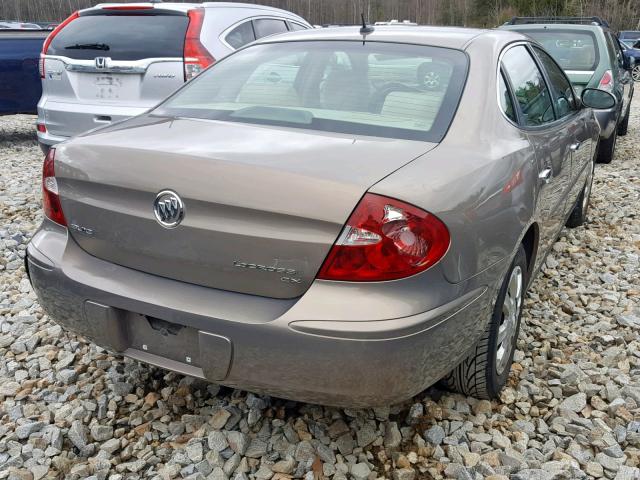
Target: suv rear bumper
(246,341)
(68,119)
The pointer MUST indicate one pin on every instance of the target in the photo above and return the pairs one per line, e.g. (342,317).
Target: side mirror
(597,99)
(628,62)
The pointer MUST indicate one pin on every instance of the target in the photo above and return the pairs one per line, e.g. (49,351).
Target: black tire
(578,215)
(481,374)
(606,148)
(623,128)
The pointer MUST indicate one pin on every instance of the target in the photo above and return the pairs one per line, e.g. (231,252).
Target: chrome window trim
(508,83)
(223,35)
(117,66)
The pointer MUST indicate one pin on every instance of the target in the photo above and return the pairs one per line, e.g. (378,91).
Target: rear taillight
(385,239)
(606,82)
(50,196)
(196,56)
(49,39)
(41,127)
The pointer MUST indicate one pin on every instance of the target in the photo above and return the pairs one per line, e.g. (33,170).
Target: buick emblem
(168,209)
(102,62)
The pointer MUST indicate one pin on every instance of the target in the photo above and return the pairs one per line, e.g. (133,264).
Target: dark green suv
(592,57)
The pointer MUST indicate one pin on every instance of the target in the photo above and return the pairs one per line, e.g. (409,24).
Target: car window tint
(269,26)
(529,86)
(379,89)
(561,87)
(572,49)
(122,37)
(506,103)
(241,35)
(294,27)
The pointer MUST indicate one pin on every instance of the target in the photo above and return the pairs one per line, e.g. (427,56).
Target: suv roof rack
(571,20)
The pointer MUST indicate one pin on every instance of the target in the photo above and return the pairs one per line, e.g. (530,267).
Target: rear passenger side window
(562,92)
(241,35)
(269,26)
(506,103)
(530,89)
(294,27)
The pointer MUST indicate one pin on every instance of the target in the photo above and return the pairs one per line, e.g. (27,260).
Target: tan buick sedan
(324,216)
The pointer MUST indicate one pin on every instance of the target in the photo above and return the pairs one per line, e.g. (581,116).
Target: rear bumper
(66,120)
(250,342)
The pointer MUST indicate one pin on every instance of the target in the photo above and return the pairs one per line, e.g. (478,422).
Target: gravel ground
(571,411)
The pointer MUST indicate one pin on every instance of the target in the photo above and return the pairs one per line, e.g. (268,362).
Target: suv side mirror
(628,62)
(597,99)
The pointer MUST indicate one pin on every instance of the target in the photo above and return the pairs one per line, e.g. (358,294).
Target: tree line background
(621,14)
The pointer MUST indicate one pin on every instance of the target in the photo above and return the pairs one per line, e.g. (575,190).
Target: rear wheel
(579,214)
(635,73)
(607,147)
(485,371)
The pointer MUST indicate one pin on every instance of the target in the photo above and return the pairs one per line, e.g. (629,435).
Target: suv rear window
(572,49)
(121,37)
(378,89)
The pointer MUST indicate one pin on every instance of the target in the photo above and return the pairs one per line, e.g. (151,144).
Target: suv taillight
(196,56)
(49,39)
(385,239)
(50,196)
(606,82)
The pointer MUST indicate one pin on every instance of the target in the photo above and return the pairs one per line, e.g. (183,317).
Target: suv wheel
(485,371)
(635,73)
(606,148)
(579,213)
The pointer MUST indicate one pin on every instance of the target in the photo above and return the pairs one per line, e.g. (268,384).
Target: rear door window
(506,102)
(572,49)
(562,92)
(616,50)
(530,89)
(121,37)
(269,26)
(294,27)
(242,35)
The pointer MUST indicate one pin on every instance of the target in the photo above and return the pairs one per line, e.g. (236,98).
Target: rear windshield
(378,89)
(121,37)
(572,49)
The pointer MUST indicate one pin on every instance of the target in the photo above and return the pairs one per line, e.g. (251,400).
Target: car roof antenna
(365,29)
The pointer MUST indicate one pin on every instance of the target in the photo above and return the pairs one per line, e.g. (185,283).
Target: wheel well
(530,245)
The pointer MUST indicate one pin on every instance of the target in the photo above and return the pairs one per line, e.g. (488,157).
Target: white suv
(117,60)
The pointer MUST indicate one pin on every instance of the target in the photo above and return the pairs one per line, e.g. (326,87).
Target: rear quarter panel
(481,180)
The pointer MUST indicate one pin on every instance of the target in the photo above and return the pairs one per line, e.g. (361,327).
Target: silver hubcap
(510,313)
(635,73)
(587,192)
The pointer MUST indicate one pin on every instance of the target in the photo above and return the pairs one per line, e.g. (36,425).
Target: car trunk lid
(262,205)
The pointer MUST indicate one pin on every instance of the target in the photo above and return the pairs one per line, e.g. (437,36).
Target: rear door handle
(575,146)
(545,175)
